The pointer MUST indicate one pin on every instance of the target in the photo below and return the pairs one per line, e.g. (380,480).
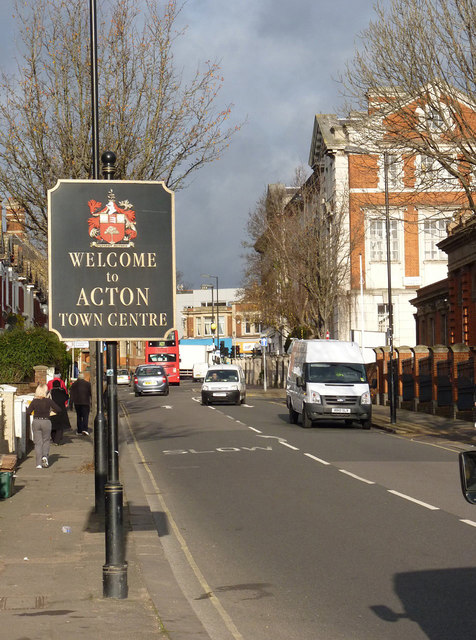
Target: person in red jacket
(49,384)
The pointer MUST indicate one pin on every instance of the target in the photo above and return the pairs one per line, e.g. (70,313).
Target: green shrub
(21,350)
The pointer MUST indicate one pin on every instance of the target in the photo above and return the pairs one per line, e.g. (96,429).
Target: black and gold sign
(111,260)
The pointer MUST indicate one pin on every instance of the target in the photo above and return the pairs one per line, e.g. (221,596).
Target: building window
(221,325)
(198,326)
(394,170)
(465,326)
(378,240)
(382,316)
(247,326)
(434,119)
(433,232)
(208,325)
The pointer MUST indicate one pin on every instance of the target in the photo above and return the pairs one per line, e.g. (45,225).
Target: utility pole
(100,435)
(391,379)
(115,569)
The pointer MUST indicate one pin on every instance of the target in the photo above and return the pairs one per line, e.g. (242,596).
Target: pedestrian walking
(60,421)
(80,392)
(57,376)
(40,407)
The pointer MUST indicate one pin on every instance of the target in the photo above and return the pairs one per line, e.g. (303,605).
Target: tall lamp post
(207,275)
(211,286)
(391,378)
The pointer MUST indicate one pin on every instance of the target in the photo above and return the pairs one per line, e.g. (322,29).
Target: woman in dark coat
(60,421)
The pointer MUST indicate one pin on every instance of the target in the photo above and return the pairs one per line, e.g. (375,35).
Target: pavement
(52,544)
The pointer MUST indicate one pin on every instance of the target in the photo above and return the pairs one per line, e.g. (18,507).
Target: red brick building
(446,310)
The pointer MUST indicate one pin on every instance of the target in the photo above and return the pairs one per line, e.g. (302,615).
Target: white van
(327,381)
(224,383)
(199,371)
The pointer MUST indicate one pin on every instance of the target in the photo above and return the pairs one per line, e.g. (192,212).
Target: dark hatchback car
(150,378)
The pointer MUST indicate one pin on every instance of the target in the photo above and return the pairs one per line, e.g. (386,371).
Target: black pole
(391,379)
(100,444)
(115,569)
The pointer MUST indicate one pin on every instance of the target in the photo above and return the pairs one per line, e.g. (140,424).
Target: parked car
(123,376)
(150,378)
(224,383)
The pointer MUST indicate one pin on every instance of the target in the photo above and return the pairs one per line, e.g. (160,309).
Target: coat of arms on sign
(112,225)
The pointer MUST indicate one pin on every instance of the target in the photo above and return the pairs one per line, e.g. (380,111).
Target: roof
(328,134)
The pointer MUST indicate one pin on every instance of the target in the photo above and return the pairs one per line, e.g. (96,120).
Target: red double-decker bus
(165,352)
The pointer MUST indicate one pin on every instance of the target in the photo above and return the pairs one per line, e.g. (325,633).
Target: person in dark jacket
(60,421)
(40,407)
(80,392)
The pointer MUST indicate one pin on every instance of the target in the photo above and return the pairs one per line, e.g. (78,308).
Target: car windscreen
(162,357)
(221,375)
(335,372)
(150,371)
(122,372)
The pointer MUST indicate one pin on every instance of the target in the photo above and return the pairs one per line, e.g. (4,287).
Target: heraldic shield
(112,224)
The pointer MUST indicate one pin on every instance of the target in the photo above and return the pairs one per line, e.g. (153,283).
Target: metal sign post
(112,246)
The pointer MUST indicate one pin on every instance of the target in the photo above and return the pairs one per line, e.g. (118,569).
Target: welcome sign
(111,260)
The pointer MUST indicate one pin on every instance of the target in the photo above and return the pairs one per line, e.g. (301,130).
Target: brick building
(446,310)
(352,176)
(23,276)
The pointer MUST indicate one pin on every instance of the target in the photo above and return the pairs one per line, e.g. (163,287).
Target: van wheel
(366,424)
(243,400)
(306,420)
(293,415)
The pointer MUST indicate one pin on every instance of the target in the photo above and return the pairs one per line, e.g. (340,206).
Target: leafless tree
(298,261)
(414,75)
(160,126)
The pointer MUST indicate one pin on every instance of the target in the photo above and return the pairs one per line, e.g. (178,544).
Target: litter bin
(6,484)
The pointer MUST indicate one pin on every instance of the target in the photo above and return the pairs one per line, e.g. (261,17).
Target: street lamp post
(211,286)
(207,275)
(391,379)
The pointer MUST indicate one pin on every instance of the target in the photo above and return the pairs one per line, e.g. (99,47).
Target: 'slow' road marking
(405,497)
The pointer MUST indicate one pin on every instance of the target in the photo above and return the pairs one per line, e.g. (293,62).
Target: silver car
(150,378)
(123,376)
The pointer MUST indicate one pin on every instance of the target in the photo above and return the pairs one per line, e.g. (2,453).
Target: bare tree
(298,271)
(414,76)
(160,126)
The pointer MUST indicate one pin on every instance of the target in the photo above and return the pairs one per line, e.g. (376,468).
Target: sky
(280,60)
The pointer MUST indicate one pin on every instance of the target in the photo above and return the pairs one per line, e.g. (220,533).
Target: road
(279,533)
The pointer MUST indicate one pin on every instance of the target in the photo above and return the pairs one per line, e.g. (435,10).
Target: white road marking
(470,522)
(352,475)
(282,441)
(253,429)
(405,497)
(309,455)
(290,446)
(248,406)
